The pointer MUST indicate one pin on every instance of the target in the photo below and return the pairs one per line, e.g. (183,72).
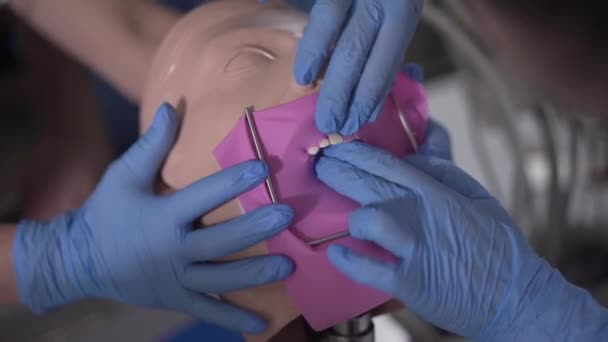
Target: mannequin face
(216,61)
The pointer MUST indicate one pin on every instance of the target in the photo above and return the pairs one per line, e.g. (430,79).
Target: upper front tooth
(313,151)
(335,139)
(324,143)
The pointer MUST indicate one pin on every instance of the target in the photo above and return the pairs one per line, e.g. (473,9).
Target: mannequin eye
(249,58)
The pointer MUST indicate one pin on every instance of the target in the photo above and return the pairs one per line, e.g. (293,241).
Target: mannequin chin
(219,59)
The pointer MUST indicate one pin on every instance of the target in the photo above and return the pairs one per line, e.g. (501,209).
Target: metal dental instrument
(330,238)
(358,329)
(258,150)
(406,126)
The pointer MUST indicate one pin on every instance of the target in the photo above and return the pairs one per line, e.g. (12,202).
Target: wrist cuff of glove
(552,309)
(47,263)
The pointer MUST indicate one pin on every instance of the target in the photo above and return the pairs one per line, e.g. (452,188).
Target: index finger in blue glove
(223,314)
(346,65)
(145,157)
(418,173)
(223,277)
(437,143)
(214,190)
(237,234)
(356,184)
(399,22)
(382,164)
(326,20)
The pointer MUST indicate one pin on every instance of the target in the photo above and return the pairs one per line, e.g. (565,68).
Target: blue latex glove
(462,263)
(129,244)
(370,39)
(415,71)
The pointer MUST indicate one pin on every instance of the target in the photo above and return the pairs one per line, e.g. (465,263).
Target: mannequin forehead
(217,38)
(218,17)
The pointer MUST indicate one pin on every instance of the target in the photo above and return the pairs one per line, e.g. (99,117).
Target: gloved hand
(437,143)
(462,263)
(370,39)
(131,245)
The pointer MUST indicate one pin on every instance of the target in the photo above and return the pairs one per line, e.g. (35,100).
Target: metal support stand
(358,329)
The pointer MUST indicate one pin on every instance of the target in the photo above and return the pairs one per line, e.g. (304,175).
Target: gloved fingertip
(338,254)
(327,123)
(360,113)
(301,71)
(414,71)
(284,268)
(255,170)
(162,116)
(256,325)
(283,216)
(273,268)
(307,69)
(350,127)
(361,219)
(303,79)
(438,142)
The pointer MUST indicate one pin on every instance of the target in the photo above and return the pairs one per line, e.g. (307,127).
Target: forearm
(8,284)
(115,38)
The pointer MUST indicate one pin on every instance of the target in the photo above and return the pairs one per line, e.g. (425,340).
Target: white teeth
(313,151)
(335,139)
(332,139)
(324,143)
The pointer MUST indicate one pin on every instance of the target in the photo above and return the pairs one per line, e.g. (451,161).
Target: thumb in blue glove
(129,244)
(438,143)
(414,71)
(462,263)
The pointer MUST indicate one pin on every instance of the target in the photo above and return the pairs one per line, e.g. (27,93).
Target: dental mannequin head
(233,54)
(221,58)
